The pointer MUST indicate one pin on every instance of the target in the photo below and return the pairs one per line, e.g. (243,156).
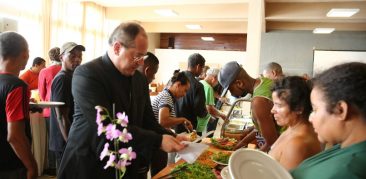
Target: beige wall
(154,41)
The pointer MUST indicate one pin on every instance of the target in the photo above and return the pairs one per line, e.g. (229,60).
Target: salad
(195,170)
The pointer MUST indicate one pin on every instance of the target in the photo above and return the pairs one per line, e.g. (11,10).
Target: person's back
(192,105)
(9,86)
(262,90)
(46,76)
(17,160)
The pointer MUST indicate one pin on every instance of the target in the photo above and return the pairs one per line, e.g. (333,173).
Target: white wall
(324,59)
(293,50)
(172,59)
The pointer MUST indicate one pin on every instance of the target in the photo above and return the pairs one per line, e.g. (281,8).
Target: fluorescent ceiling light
(342,12)
(208,38)
(166,12)
(193,26)
(323,30)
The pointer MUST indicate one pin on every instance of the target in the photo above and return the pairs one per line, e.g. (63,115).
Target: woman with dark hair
(339,117)
(291,109)
(164,111)
(163,103)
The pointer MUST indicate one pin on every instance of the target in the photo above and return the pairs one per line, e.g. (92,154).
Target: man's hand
(248,136)
(223,116)
(240,144)
(224,100)
(171,144)
(183,137)
(188,124)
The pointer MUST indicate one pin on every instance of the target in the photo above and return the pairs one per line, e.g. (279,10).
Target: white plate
(46,104)
(249,163)
(225,173)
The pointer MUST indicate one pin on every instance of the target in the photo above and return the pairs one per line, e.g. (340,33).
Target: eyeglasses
(139,58)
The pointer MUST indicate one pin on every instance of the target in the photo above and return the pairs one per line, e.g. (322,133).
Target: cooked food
(224,143)
(206,140)
(205,159)
(221,157)
(195,170)
(193,136)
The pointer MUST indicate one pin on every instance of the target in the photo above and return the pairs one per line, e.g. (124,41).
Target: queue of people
(292,116)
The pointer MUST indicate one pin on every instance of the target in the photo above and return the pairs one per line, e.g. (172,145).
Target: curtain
(49,23)
(82,23)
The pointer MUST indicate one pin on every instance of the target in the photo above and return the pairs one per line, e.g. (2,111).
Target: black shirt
(60,92)
(8,83)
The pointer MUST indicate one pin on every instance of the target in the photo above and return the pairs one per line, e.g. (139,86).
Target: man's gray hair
(273,66)
(213,72)
(125,33)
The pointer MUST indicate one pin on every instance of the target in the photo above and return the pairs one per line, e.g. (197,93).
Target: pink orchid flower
(110,162)
(121,165)
(127,154)
(125,136)
(122,119)
(105,151)
(112,132)
(101,129)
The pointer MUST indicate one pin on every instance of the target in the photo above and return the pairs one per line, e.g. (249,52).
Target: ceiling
(231,16)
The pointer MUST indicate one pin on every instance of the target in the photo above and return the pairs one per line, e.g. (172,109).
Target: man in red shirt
(16,159)
(46,76)
(31,76)
(44,87)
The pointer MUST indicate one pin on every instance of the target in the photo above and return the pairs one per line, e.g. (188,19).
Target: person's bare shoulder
(294,153)
(298,148)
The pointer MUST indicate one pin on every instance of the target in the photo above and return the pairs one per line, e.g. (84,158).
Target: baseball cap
(69,46)
(228,74)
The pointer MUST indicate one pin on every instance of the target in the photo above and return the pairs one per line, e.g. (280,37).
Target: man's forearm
(63,125)
(22,149)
